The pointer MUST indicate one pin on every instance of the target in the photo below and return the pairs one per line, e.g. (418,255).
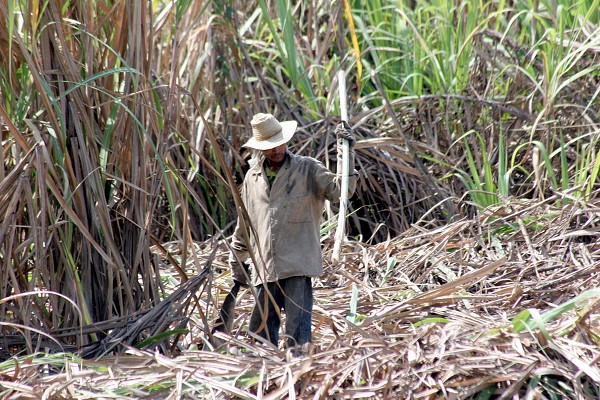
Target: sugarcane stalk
(341,225)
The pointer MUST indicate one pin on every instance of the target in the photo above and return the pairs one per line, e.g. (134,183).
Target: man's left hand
(343,131)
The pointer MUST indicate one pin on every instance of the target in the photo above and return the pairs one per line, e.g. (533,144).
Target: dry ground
(503,306)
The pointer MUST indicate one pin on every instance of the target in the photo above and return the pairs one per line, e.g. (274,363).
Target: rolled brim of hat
(288,128)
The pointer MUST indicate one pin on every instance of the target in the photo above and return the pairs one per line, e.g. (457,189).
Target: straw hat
(268,133)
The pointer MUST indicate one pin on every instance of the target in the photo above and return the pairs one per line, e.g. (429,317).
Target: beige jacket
(286,218)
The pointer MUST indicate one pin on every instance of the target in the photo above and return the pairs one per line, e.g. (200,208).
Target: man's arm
(240,269)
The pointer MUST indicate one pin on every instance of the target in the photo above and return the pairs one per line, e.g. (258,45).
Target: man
(284,195)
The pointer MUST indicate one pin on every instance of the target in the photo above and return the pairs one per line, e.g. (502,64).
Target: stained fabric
(285,217)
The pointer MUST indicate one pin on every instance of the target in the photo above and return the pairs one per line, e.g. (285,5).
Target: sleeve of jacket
(239,251)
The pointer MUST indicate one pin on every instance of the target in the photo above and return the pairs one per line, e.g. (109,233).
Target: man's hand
(343,131)
(240,273)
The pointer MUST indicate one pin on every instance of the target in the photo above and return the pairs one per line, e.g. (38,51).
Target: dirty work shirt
(286,215)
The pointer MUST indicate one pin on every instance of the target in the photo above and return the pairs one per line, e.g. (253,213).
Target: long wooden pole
(341,226)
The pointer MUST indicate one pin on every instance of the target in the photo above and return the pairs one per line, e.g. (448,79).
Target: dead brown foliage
(445,321)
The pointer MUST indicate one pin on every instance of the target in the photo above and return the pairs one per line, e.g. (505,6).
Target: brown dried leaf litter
(438,314)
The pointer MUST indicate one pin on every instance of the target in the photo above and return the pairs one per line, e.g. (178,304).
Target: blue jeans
(295,296)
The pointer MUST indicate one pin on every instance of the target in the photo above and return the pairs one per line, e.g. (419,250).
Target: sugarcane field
(225,199)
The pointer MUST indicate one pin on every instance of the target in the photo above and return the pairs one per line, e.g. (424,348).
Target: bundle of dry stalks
(504,306)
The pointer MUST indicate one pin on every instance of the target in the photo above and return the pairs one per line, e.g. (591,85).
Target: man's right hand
(240,273)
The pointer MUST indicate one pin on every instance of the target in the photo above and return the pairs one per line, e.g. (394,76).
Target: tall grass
(80,220)
(553,55)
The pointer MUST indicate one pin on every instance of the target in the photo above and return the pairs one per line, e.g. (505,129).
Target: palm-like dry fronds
(167,318)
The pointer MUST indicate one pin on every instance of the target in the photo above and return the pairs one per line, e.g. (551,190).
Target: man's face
(276,154)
